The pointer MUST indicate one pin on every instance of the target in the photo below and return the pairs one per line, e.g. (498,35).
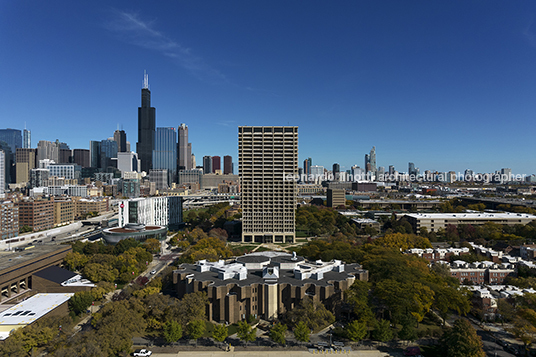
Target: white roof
(473,216)
(32,309)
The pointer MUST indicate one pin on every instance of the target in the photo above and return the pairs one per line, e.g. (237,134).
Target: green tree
(193,307)
(382,332)
(462,341)
(302,332)
(196,329)
(152,245)
(408,331)
(277,333)
(75,261)
(313,314)
(172,331)
(245,332)
(355,331)
(220,333)
(80,301)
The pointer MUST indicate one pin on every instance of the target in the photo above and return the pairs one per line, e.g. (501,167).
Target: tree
(277,333)
(220,333)
(462,341)
(356,331)
(382,332)
(314,315)
(172,331)
(152,245)
(246,333)
(80,301)
(408,331)
(196,329)
(301,332)
(75,261)
(193,307)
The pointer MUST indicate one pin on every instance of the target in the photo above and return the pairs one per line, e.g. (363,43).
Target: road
(491,347)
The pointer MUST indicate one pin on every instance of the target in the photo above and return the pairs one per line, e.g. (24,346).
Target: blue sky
(447,85)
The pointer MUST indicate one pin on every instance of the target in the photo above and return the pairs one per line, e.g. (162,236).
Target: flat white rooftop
(476,216)
(32,309)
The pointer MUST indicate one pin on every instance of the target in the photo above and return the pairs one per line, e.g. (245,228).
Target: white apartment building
(160,211)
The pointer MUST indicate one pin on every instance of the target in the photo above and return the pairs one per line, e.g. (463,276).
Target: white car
(153,272)
(142,353)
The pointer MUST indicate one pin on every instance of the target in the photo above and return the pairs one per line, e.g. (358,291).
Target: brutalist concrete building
(265,284)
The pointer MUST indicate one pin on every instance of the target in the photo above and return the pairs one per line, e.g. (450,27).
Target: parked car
(142,353)
(412,351)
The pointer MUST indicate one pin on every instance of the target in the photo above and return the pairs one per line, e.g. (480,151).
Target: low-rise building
(484,272)
(36,213)
(436,221)
(265,284)
(63,211)
(437,254)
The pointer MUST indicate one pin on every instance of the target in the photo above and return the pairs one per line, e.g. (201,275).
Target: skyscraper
(227,165)
(95,152)
(165,152)
(2,173)
(207,164)
(216,164)
(81,157)
(146,127)
(266,157)
(47,150)
(108,151)
(27,139)
(183,157)
(12,137)
(307,163)
(121,138)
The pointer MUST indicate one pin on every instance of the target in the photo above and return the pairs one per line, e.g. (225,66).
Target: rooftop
(482,215)
(9,259)
(30,310)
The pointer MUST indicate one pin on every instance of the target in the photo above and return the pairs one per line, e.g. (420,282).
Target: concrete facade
(266,156)
(265,284)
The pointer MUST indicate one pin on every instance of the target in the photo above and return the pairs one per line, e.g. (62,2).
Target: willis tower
(146,127)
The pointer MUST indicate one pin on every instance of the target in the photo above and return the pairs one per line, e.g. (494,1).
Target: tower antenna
(145,80)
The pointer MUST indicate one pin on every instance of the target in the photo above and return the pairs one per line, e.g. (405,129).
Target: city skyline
(420,82)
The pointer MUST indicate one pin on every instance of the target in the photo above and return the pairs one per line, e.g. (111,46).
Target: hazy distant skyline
(446,85)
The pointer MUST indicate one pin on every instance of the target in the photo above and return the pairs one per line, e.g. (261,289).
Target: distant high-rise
(26,139)
(2,173)
(165,152)
(216,164)
(25,159)
(146,127)
(193,161)
(411,169)
(95,152)
(9,170)
(12,137)
(183,158)
(81,157)
(207,164)
(227,165)
(307,163)
(65,156)
(266,156)
(370,162)
(336,172)
(47,150)
(108,151)
(121,138)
